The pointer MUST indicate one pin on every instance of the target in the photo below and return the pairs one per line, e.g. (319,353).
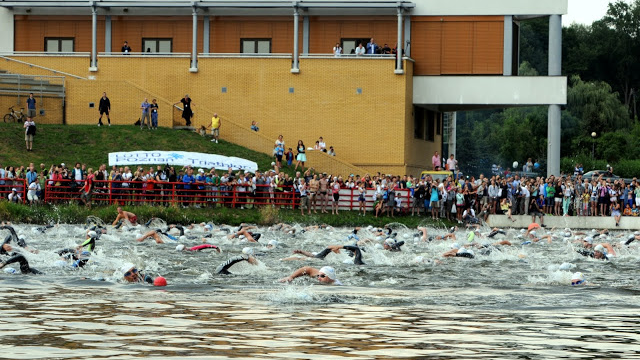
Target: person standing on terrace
(187,113)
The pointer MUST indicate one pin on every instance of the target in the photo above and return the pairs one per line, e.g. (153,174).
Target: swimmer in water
(601,252)
(14,237)
(577,279)
(181,247)
(459,251)
(331,248)
(496,231)
(224,267)
(78,255)
(10,257)
(244,231)
(125,215)
(392,245)
(132,275)
(316,227)
(324,275)
(43,229)
(632,238)
(157,236)
(285,228)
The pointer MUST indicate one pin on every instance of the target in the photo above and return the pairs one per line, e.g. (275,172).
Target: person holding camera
(29,132)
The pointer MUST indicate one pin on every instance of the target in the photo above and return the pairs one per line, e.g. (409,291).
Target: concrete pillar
(6,29)
(407,35)
(194,44)
(107,33)
(399,44)
(94,39)
(305,35)
(555,69)
(507,58)
(205,35)
(295,68)
(453,119)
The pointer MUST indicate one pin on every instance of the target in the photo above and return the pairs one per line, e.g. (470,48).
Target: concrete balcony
(453,93)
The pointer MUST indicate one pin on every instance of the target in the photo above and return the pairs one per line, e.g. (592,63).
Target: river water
(516,302)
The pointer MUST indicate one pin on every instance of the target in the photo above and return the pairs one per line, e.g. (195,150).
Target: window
(349,45)
(255,46)
(432,116)
(58,44)
(157,45)
(418,122)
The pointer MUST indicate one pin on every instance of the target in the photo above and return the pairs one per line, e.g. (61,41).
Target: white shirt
(322,145)
(337,50)
(466,212)
(451,163)
(524,191)
(77,174)
(14,197)
(360,50)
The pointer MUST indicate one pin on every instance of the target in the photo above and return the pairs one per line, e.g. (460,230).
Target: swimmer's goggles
(321,276)
(133,271)
(577,282)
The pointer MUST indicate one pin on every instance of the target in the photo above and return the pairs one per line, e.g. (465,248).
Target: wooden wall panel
(488,47)
(226,32)
(457,45)
(135,28)
(325,32)
(30,31)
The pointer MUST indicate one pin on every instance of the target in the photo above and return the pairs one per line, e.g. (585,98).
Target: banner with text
(181,158)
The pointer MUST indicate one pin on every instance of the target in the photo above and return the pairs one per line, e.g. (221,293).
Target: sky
(586,11)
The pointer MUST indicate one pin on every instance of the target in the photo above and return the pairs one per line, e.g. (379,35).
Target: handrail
(44,53)
(247,55)
(143,54)
(42,67)
(349,56)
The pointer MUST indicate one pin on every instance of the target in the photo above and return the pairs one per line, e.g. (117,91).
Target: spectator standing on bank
(215,127)
(29,133)
(126,49)
(31,106)
(154,114)
(302,156)
(372,47)
(104,107)
(146,116)
(187,113)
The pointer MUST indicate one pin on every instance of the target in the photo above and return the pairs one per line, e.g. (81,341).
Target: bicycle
(15,116)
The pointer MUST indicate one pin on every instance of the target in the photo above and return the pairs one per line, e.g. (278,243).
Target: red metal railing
(7,184)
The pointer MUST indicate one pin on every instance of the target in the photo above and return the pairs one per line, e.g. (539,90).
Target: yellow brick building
(378,112)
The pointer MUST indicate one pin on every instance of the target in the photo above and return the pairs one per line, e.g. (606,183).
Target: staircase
(21,85)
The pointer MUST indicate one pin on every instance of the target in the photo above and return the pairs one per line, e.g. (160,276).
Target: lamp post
(593,144)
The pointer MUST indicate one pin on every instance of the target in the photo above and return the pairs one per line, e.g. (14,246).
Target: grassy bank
(55,144)
(18,213)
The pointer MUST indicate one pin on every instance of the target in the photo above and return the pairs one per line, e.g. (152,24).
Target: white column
(205,35)
(94,39)
(295,68)
(305,34)
(555,69)
(507,59)
(194,44)
(407,35)
(6,29)
(107,33)
(399,45)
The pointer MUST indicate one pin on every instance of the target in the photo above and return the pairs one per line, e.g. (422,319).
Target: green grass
(73,213)
(55,144)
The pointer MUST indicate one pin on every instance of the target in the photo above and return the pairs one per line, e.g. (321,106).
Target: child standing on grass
(289,157)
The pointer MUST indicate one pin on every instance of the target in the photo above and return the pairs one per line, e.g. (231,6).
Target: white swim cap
(589,239)
(522,231)
(369,227)
(600,248)
(455,246)
(241,237)
(378,238)
(9,270)
(406,236)
(577,278)
(636,233)
(126,267)
(208,227)
(416,239)
(273,163)
(329,271)
(272,243)
(247,251)
(533,233)
(92,234)
(180,247)
(379,246)
(418,259)
(567,234)
(463,250)
(183,238)
(389,242)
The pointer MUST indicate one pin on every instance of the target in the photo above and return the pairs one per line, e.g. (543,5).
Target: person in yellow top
(215,127)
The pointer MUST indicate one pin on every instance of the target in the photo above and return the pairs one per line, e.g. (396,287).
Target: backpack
(31,130)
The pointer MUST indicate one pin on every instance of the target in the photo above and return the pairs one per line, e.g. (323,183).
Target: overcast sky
(586,11)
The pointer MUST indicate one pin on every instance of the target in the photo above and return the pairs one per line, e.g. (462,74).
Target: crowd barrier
(177,193)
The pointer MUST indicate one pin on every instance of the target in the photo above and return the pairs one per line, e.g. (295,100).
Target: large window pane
(52,45)
(66,45)
(348,45)
(248,46)
(264,47)
(164,46)
(149,46)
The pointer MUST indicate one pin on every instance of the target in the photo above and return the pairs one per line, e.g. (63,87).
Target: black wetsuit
(496,232)
(396,245)
(591,254)
(224,267)
(72,254)
(629,241)
(43,229)
(466,254)
(15,257)
(357,259)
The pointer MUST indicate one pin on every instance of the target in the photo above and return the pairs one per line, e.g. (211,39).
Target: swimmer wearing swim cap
(9,257)
(577,279)
(132,274)
(325,275)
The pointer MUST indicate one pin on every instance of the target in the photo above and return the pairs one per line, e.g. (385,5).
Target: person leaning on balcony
(360,50)
(337,50)
(372,47)
(126,49)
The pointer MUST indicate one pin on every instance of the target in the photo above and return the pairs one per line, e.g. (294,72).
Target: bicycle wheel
(8,118)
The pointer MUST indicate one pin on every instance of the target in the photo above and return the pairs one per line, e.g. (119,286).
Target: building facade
(273,62)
